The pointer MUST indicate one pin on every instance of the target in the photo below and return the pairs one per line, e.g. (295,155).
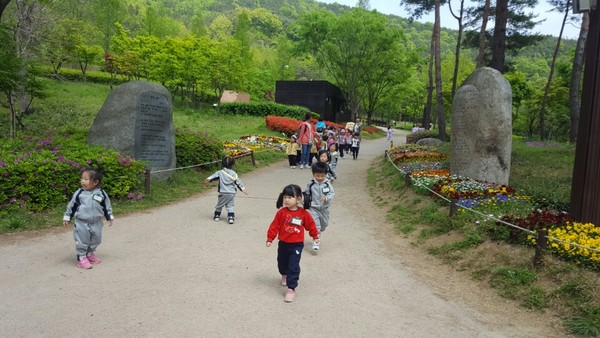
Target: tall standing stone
(482,127)
(137,120)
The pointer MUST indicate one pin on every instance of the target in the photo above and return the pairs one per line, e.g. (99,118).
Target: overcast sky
(550,26)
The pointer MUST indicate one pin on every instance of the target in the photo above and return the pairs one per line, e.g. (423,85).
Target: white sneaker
(315,246)
(293,167)
(302,166)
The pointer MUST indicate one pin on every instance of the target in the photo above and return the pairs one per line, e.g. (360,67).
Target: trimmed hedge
(70,74)
(264,109)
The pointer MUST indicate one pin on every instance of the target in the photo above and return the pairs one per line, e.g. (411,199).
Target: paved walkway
(174,272)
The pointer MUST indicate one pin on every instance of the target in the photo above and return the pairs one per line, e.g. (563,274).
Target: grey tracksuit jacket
(228,181)
(88,207)
(320,211)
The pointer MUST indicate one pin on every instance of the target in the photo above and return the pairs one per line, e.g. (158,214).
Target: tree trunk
(499,38)
(482,38)
(427,109)
(458,18)
(585,186)
(543,132)
(438,75)
(575,86)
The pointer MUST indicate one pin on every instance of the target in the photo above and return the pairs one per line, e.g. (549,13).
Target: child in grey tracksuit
(229,182)
(321,192)
(88,206)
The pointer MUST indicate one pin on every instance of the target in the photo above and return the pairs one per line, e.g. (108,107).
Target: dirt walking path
(174,272)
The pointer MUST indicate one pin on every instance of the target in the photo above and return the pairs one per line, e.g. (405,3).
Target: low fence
(148,173)
(541,235)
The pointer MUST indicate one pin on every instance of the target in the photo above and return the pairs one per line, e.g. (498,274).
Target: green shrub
(264,109)
(192,148)
(91,76)
(43,173)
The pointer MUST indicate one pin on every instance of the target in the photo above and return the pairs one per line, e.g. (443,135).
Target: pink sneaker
(84,263)
(290,295)
(94,259)
(283,280)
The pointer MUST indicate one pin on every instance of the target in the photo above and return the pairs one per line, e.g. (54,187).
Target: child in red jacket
(289,225)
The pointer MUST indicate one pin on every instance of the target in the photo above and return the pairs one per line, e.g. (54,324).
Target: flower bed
(248,143)
(500,201)
(289,126)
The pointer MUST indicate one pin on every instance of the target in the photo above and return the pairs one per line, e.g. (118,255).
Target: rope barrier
(206,163)
(484,215)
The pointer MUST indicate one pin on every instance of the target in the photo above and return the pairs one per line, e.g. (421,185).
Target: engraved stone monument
(482,127)
(136,120)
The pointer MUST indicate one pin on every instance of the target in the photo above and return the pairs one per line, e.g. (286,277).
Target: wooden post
(542,244)
(147,181)
(453,206)
(407,180)
(252,158)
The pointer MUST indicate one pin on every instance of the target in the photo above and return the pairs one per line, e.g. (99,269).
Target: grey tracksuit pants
(88,235)
(227,201)
(321,217)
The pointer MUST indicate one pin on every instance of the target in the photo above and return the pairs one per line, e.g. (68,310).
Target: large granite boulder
(430,142)
(482,127)
(137,120)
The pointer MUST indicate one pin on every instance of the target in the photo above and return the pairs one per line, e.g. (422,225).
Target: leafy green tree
(359,50)
(10,66)
(157,23)
(105,14)
(62,39)
(513,22)
(220,28)
(87,55)
(226,67)
(563,7)
(522,89)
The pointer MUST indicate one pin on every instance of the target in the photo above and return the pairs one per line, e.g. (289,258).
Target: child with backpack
(289,224)
(320,193)
(88,206)
(229,183)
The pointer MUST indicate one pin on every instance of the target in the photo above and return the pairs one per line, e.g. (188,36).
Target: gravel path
(172,271)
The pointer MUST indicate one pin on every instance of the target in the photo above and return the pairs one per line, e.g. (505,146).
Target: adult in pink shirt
(305,138)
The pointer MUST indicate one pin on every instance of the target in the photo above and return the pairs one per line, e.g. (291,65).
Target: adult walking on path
(174,272)
(305,138)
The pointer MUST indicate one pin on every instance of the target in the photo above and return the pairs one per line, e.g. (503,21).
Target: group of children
(298,211)
(336,143)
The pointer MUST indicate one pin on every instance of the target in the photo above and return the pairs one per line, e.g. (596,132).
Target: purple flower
(12,200)
(131,195)
(3,164)
(140,196)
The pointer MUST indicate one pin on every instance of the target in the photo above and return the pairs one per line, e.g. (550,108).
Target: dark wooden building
(319,96)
